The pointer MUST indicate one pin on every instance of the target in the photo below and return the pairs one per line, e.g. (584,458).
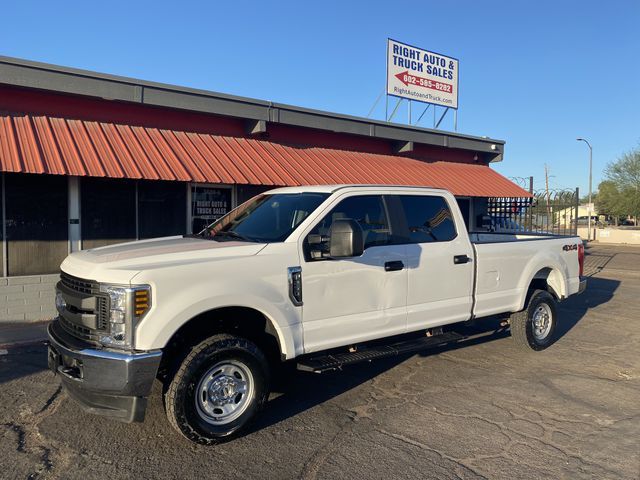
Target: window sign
(207,205)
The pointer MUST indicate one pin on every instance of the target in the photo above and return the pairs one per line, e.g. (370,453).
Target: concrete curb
(21,334)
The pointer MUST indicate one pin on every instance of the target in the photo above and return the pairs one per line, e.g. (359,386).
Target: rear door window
(429,218)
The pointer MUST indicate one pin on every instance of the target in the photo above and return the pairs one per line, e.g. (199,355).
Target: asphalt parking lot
(482,410)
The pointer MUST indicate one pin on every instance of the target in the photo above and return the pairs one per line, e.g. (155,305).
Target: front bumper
(113,384)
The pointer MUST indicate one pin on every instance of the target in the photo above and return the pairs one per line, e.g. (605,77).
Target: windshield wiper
(232,234)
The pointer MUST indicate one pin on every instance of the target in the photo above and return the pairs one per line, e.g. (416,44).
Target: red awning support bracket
(255,127)
(403,147)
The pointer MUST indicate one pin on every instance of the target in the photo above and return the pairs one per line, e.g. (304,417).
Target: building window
(207,205)
(161,209)
(108,211)
(36,223)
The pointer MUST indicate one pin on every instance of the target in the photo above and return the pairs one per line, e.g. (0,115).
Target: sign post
(421,75)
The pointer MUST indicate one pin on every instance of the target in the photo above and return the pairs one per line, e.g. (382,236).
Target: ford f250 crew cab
(309,274)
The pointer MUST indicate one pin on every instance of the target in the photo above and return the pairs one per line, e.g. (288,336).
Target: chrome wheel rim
(542,319)
(224,392)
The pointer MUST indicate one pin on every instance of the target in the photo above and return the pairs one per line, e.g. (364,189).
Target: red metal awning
(65,146)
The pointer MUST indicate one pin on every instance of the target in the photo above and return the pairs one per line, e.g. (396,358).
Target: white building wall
(28,298)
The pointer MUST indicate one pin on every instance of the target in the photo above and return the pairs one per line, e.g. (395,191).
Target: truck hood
(120,263)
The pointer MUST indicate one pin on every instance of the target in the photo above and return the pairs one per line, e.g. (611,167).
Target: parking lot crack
(312,466)
(415,443)
(52,461)
(20,434)
(51,400)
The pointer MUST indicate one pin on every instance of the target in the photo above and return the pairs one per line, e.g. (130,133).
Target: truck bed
(501,237)
(506,263)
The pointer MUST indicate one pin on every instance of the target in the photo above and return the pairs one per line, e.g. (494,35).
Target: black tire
(187,414)
(522,323)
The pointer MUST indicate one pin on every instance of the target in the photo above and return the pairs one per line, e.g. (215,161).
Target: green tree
(624,174)
(609,201)
(631,201)
(594,198)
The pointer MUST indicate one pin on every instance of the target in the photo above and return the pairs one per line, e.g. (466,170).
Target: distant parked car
(628,223)
(583,220)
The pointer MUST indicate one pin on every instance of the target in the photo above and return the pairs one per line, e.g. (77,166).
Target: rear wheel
(534,327)
(218,389)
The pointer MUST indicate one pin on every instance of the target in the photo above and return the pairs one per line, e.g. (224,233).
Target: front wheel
(218,389)
(534,327)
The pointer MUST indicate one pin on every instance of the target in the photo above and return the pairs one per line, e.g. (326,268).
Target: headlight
(117,304)
(126,306)
(117,317)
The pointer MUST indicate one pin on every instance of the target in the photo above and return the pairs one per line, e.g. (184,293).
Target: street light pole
(590,177)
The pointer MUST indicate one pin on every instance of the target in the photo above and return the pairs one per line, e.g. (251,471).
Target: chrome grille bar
(86,287)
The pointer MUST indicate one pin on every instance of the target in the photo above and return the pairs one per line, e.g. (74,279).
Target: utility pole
(546,185)
(590,176)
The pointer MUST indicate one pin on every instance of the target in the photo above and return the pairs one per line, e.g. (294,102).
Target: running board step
(327,362)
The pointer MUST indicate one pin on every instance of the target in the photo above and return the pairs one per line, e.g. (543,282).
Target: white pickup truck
(307,274)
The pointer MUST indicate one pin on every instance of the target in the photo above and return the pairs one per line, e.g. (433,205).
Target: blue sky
(536,74)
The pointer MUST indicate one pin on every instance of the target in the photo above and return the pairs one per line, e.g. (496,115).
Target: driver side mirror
(347,239)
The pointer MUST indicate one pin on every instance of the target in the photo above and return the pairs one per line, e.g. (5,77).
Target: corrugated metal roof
(64,146)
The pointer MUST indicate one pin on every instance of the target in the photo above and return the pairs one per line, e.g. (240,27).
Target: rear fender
(544,266)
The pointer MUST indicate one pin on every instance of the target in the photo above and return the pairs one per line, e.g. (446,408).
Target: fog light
(61,303)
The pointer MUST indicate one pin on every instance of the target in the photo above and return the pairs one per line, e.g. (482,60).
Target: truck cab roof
(349,187)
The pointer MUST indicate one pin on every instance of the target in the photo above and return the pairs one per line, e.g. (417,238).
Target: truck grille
(79,284)
(87,287)
(79,331)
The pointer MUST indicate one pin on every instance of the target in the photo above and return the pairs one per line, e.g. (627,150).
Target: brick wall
(29,298)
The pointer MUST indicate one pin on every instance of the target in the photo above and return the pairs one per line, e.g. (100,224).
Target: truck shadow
(300,391)
(22,361)
(571,311)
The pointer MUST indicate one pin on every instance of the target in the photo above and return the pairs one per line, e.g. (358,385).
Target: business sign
(421,75)
(207,205)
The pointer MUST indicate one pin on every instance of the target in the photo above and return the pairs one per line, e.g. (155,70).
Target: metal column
(75,233)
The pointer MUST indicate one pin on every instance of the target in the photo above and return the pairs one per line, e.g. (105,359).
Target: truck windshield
(265,218)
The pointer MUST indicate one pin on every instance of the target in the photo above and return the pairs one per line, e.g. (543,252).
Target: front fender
(159,326)
(182,292)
